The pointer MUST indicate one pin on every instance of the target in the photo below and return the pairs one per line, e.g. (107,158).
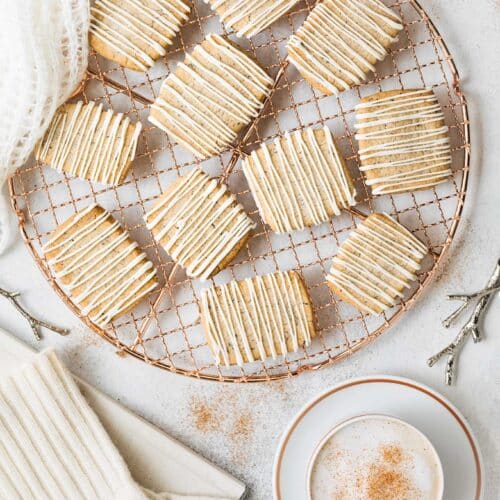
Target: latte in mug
(375,457)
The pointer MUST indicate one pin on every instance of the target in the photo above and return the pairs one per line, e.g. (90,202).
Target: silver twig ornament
(34,323)
(471,327)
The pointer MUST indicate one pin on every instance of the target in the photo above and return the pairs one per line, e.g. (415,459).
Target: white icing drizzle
(259,14)
(88,142)
(377,261)
(395,130)
(93,271)
(138,30)
(301,182)
(229,92)
(339,41)
(269,312)
(198,222)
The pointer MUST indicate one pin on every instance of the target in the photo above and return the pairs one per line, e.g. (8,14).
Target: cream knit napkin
(52,445)
(43,53)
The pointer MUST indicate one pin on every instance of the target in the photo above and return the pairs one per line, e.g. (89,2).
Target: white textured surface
(472,32)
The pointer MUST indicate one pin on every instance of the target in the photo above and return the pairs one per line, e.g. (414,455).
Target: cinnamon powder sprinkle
(384,483)
(392,454)
(243,427)
(205,419)
(221,414)
(386,478)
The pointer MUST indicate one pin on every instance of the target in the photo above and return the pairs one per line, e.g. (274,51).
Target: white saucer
(403,398)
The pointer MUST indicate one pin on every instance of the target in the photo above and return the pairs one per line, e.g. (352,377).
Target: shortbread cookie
(103,270)
(375,264)
(199,223)
(404,143)
(134,33)
(249,17)
(89,142)
(256,318)
(299,180)
(210,97)
(341,40)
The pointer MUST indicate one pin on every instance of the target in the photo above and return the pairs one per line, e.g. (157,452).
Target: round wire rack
(165,330)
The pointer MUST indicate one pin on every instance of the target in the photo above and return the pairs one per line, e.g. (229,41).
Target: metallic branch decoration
(471,327)
(34,323)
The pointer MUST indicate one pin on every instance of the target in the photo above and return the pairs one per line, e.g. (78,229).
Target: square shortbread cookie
(299,180)
(375,264)
(404,143)
(134,33)
(249,17)
(340,41)
(210,97)
(104,271)
(256,318)
(199,223)
(86,141)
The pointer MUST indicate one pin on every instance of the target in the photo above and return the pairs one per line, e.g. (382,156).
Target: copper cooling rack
(173,339)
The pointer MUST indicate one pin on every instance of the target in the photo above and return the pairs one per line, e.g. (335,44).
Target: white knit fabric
(52,445)
(43,56)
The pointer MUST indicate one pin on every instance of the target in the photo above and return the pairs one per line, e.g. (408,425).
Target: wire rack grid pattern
(173,340)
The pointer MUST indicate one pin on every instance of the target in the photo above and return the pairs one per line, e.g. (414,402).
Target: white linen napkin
(52,445)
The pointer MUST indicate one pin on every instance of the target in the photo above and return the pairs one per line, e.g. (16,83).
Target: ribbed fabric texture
(52,446)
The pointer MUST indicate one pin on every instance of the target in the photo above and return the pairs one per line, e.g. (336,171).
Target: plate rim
(404,381)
